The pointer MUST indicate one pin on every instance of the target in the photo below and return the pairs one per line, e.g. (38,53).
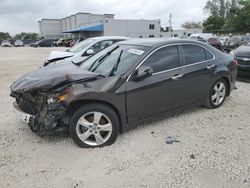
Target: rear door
(161,91)
(198,65)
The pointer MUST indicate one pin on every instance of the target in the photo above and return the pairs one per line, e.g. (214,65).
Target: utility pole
(170,23)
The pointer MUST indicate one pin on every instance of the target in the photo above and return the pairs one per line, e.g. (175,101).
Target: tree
(227,15)
(240,22)
(213,23)
(220,7)
(26,36)
(4,36)
(191,24)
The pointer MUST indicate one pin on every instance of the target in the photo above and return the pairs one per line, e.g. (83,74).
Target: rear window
(195,54)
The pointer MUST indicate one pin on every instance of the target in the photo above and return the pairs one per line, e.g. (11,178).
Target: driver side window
(163,59)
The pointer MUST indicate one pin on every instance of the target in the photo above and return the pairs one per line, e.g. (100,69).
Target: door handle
(210,67)
(177,76)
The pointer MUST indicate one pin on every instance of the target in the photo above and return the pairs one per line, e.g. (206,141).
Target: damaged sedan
(125,84)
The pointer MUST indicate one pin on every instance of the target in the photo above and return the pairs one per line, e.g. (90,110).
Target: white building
(86,25)
(182,33)
(50,28)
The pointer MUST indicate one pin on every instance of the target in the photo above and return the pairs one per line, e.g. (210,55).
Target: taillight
(235,62)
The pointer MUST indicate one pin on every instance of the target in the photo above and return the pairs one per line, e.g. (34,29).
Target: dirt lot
(213,148)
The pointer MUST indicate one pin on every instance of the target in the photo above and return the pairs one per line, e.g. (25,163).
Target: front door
(159,92)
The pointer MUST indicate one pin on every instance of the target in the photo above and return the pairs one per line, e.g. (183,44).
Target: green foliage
(213,23)
(228,15)
(241,20)
(4,36)
(26,36)
(191,24)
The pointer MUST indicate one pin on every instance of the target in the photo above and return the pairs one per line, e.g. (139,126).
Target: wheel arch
(73,106)
(228,84)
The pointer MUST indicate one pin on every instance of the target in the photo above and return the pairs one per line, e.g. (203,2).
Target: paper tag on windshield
(135,51)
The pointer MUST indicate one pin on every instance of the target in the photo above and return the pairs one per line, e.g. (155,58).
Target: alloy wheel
(219,93)
(94,128)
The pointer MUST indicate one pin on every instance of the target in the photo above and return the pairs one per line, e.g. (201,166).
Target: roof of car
(110,37)
(154,42)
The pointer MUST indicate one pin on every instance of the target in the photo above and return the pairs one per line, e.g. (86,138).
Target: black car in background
(242,55)
(129,82)
(232,43)
(44,43)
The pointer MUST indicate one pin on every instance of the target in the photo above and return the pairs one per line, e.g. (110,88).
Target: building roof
(95,28)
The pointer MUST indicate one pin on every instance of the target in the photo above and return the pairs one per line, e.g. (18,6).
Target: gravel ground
(213,148)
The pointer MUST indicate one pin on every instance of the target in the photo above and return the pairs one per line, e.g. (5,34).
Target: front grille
(25,104)
(243,61)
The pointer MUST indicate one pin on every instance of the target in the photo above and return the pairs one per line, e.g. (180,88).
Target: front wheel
(94,125)
(217,94)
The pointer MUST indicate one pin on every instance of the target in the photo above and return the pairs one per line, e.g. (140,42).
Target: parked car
(215,42)
(134,81)
(59,42)
(18,43)
(223,39)
(204,36)
(82,50)
(232,43)
(63,42)
(242,55)
(245,39)
(44,43)
(6,43)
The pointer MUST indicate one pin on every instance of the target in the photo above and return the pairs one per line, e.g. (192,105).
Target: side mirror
(89,52)
(142,73)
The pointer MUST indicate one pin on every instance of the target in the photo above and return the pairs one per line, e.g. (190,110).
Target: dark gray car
(242,55)
(128,83)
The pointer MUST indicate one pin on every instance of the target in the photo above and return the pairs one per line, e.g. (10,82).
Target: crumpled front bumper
(46,122)
(24,117)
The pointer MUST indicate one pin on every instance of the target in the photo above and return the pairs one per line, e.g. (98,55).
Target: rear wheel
(94,125)
(217,94)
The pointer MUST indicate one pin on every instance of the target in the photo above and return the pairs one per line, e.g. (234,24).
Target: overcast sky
(22,15)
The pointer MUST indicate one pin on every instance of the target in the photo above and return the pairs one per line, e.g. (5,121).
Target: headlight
(60,97)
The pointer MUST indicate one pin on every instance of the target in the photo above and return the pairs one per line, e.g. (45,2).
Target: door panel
(197,72)
(154,95)
(196,80)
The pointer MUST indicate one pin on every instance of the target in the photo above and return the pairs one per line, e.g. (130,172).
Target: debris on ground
(171,140)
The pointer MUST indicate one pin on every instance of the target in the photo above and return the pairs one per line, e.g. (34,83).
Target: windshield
(117,61)
(86,64)
(233,39)
(80,46)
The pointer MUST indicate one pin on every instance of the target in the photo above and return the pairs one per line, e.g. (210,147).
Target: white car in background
(84,49)
(6,43)
(204,36)
(18,43)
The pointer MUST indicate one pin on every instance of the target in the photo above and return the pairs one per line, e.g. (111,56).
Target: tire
(94,125)
(216,98)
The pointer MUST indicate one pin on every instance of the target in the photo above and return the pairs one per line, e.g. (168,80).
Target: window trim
(181,46)
(181,66)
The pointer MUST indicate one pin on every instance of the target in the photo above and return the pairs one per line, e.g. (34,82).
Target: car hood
(50,77)
(76,59)
(242,51)
(59,55)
